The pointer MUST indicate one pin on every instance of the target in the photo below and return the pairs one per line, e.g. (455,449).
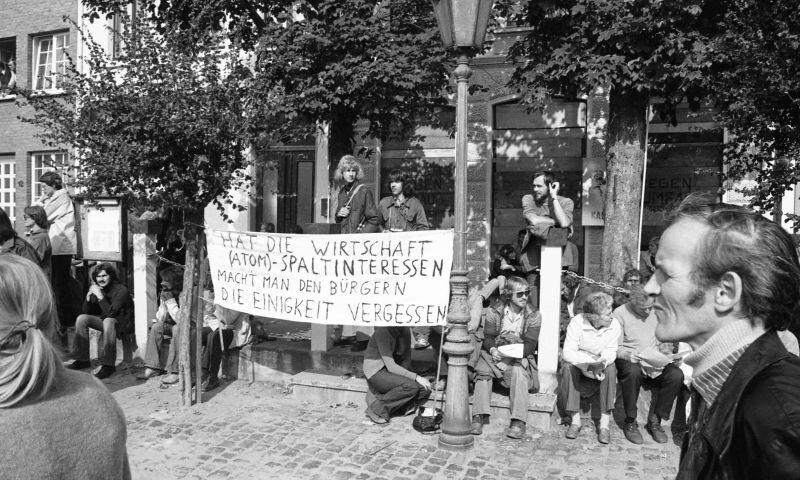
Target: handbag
(426,421)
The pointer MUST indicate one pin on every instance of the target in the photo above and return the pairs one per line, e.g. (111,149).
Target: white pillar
(549,306)
(144,282)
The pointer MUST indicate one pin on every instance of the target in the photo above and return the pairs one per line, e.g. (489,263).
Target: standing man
(726,281)
(542,210)
(638,335)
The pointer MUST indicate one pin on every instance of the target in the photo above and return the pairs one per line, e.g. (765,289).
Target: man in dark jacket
(726,281)
(109,309)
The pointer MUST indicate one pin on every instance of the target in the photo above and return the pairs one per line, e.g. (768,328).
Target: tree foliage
(163,124)
(325,61)
(754,81)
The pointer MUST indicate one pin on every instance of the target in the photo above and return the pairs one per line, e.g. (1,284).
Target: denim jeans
(109,328)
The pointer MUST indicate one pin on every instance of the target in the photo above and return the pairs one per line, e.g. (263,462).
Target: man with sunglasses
(509,321)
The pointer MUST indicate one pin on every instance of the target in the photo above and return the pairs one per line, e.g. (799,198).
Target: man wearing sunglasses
(511,321)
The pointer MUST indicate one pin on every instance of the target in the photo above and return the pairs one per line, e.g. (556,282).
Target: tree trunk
(340,141)
(187,298)
(626,143)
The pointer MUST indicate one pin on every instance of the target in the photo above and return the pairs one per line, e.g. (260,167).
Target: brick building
(34,43)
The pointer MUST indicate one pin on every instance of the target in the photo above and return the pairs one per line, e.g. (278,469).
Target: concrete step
(322,387)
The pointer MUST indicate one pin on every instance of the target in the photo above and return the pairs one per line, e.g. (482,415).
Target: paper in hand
(652,357)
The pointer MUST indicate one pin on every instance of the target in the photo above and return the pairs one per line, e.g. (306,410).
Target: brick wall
(22,21)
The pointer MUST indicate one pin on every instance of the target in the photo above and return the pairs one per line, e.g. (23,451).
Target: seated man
(223,330)
(108,308)
(510,321)
(638,336)
(164,323)
(587,368)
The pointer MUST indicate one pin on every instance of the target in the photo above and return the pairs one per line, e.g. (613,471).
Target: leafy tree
(164,124)
(754,81)
(326,62)
(637,50)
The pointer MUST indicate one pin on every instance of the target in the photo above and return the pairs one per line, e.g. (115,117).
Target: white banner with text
(375,279)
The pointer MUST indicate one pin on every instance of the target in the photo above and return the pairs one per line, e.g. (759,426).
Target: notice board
(103,229)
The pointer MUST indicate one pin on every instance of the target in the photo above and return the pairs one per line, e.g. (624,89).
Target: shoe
(632,433)
(105,372)
(516,429)
(149,373)
(79,365)
(422,343)
(573,431)
(657,432)
(210,383)
(376,419)
(477,425)
(359,346)
(170,379)
(604,436)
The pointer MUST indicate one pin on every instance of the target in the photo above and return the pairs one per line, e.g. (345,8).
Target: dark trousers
(106,325)
(174,346)
(61,279)
(574,385)
(212,355)
(664,388)
(390,393)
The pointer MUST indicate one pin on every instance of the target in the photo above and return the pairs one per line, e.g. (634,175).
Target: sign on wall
(398,279)
(103,230)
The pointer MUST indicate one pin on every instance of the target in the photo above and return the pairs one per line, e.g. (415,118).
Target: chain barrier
(597,283)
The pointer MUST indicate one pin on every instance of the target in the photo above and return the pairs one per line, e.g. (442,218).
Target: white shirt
(584,342)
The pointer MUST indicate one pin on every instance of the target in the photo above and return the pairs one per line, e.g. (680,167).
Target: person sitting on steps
(512,318)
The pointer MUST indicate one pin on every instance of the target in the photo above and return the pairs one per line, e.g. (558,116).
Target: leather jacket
(752,430)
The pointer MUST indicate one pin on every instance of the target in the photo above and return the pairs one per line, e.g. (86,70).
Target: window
(8,67)
(7,197)
(49,60)
(45,162)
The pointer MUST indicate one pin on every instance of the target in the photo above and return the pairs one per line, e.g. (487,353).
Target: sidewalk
(257,431)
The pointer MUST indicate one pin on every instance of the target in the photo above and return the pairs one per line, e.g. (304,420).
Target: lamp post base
(456,442)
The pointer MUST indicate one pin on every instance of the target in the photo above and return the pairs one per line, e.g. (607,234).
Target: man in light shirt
(638,337)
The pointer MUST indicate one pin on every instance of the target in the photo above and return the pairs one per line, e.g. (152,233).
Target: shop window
(8,67)
(49,61)
(45,162)
(7,192)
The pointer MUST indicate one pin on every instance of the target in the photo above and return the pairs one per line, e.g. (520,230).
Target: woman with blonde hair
(57,423)
(356,213)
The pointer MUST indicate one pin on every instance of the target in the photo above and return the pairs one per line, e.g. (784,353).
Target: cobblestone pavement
(259,431)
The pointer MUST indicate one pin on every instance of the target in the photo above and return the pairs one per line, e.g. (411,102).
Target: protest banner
(380,279)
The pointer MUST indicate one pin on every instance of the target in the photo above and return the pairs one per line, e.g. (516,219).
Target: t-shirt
(531,256)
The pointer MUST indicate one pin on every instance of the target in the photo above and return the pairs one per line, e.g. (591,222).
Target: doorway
(287,190)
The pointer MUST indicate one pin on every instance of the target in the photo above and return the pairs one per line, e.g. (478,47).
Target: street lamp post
(462,24)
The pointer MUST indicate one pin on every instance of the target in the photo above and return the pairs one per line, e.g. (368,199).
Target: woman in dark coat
(356,213)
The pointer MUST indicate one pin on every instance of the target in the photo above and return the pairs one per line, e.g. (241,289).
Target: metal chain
(598,283)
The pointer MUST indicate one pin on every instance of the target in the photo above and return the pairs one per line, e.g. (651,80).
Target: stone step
(323,387)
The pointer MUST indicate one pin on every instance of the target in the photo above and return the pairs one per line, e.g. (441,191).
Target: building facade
(34,44)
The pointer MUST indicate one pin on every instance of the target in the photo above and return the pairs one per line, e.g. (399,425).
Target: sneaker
(376,419)
(210,383)
(476,425)
(516,429)
(149,373)
(105,372)
(657,432)
(632,433)
(573,431)
(79,365)
(604,436)
(422,343)
(170,379)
